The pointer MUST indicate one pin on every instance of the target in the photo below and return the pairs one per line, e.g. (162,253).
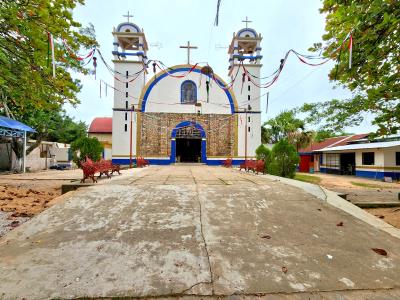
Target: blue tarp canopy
(15,125)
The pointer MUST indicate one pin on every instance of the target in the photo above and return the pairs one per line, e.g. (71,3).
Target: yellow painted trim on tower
(236,147)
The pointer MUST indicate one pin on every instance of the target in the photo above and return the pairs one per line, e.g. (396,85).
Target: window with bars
(368,158)
(332,160)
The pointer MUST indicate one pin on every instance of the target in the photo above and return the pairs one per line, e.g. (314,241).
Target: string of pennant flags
(85,59)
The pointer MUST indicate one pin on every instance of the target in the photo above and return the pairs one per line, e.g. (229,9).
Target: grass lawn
(307,178)
(367,185)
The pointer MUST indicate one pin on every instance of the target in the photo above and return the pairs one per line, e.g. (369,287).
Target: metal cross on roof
(246,21)
(128,16)
(188,47)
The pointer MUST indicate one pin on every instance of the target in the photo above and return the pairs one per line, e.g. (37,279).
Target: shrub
(264,154)
(86,147)
(284,159)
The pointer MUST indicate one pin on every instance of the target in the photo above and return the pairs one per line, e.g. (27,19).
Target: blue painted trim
(247,29)
(218,162)
(159,77)
(203,141)
(188,123)
(195,91)
(377,174)
(203,150)
(130,24)
(154,161)
(140,53)
(369,174)
(258,48)
(172,158)
(247,56)
(116,44)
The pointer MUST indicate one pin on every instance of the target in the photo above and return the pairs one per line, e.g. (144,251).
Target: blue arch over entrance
(203,140)
(182,69)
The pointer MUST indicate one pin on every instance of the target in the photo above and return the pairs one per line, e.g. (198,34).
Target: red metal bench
(257,166)
(141,162)
(260,167)
(247,165)
(103,167)
(227,163)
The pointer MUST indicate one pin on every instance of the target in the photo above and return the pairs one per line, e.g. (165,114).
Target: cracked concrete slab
(173,231)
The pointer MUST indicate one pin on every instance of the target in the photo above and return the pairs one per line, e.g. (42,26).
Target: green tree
(86,147)
(27,86)
(278,128)
(284,159)
(322,135)
(263,153)
(374,77)
(68,130)
(301,138)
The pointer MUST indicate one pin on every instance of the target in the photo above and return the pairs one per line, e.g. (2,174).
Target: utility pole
(245,137)
(245,133)
(130,138)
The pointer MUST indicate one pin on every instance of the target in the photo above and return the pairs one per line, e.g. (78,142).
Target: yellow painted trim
(333,166)
(377,167)
(236,133)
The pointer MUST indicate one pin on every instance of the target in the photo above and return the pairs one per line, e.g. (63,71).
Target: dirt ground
(389,215)
(23,196)
(366,190)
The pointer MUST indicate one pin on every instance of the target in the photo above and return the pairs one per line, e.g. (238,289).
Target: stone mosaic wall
(156,129)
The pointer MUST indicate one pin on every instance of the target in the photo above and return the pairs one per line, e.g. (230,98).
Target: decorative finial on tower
(246,21)
(128,16)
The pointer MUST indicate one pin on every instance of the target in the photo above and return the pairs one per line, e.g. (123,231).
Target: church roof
(101,125)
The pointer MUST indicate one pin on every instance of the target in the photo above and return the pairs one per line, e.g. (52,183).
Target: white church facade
(184,113)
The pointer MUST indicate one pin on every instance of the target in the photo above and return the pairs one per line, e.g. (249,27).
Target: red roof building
(101,125)
(330,142)
(309,159)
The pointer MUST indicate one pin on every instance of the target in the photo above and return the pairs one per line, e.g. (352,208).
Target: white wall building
(184,113)
(373,160)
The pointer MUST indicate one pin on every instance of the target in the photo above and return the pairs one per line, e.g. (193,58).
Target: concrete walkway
(197,231)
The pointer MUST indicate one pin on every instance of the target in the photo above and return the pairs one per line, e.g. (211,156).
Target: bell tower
(130,58)
(245,53)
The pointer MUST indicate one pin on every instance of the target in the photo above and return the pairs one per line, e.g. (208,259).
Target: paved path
(196,230)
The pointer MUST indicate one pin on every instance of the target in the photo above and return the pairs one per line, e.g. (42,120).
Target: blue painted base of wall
(368,174)
(214,162)
(378,175)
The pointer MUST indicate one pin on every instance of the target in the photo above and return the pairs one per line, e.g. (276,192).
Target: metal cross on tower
(188,47)
(246,21)
(128,16)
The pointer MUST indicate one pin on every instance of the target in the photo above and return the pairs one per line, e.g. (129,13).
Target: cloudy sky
(284,25)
